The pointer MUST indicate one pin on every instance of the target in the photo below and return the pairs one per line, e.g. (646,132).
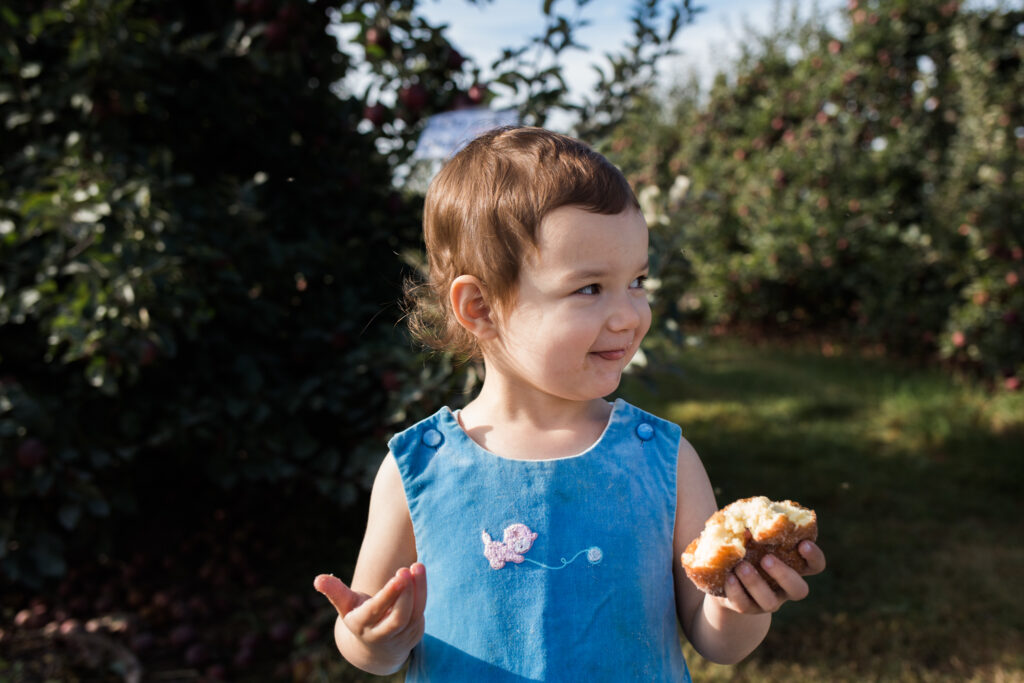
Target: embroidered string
(517,540)
(594,555)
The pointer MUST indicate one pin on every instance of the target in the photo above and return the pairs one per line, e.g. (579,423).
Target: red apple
(477,93)
(288,14)
(31,453)
(244,657)
(375,114)
(390,381)
(217,672)
(260,8)
(413,97)
(182,635)
(395,202)
(276,34)
(375,35)
(281,631)
(462,101)
(339,340)
(455,59)
(148,353)
(196,654)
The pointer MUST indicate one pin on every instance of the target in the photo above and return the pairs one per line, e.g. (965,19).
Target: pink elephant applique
(518,539)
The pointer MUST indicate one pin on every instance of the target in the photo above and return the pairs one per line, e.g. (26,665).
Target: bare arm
(726,630)
(380,618)
(716,632)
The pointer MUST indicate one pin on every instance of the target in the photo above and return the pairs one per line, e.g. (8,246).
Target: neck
(510,402)
(521,422)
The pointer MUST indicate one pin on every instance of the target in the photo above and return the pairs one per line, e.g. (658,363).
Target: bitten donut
(748,529)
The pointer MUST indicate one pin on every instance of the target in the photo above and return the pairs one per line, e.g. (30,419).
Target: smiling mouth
(615,354)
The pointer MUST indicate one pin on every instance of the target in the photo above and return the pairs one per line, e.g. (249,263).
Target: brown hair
(483,210)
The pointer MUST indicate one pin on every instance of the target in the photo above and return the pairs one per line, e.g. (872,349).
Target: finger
(814,556)
(790,582)
(376,608)
(419,579)
(341,596)
(397,618)
(736,597)
(758,589)
(416,625)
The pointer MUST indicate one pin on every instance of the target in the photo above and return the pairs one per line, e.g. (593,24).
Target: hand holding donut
(754,553)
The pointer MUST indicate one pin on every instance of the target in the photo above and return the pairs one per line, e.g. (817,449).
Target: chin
(605,388)
(590,392)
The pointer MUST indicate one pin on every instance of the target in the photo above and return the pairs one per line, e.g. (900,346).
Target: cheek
(575,332)
(643,313)
(645,320)
(555,330)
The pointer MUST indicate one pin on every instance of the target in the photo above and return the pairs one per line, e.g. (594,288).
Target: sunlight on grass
(916,478)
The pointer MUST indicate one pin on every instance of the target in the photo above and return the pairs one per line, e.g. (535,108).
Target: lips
(614,354)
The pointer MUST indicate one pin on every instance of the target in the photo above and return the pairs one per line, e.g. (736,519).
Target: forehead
(572,237)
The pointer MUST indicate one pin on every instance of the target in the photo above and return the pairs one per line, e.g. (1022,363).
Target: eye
(590,290)
(639,283)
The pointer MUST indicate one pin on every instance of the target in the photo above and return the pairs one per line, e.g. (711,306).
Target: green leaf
(48,553)
(98,507)
(100,459)
(69,514)
(10,17)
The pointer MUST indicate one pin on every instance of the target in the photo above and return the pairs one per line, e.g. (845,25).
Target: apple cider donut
(748,529)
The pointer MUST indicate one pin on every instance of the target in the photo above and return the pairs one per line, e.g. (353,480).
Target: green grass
(917,480)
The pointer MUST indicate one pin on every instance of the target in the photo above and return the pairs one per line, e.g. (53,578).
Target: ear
(469,303)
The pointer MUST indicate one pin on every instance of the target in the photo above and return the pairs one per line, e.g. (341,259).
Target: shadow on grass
(916,481)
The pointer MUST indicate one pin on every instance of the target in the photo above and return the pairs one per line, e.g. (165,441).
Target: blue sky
(481,31)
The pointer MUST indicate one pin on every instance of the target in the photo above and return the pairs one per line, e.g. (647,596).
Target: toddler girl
(551,520)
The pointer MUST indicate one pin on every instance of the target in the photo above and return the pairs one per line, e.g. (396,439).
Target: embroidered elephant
(517,540)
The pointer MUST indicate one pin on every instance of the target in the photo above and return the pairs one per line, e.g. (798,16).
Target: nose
(627,312)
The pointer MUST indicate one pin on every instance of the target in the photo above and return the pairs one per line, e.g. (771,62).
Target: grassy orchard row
(917,589)
(864,184)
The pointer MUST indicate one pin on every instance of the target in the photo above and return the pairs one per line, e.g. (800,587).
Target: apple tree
(199,225)
(861,183)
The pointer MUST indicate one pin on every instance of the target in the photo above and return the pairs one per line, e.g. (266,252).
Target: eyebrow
(597,273)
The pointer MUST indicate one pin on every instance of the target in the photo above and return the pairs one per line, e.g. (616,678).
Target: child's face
(581,308)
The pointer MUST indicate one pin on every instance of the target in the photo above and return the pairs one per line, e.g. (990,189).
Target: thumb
(341,596)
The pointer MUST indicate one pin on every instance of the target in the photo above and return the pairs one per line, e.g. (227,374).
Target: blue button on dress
(545,570)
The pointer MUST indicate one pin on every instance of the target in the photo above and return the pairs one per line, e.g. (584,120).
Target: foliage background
(202,254)
(862,184)
(202,247)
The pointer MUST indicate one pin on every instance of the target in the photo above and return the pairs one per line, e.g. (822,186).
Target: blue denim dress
(545,570)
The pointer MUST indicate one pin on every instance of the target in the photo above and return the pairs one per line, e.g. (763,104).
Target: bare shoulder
(388,481)
(389,542)
(694,494)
